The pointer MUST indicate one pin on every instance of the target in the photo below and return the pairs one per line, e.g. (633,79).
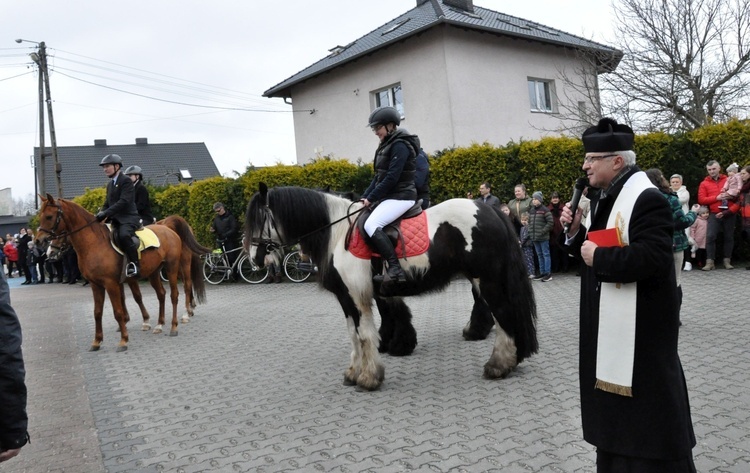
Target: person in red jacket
(11,254)
(719,220)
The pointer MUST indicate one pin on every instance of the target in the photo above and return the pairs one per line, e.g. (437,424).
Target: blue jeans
(542,256)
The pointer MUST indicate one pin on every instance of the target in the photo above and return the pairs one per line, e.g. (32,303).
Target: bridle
(58,218)
(268,227)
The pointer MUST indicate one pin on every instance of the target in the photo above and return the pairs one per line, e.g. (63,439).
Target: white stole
(617,305)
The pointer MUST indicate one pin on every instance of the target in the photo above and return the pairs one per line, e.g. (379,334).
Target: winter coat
(225,226)
(395,167)
(519,206)
(681,222)
(13,418)
(540,223)
(655,423)
(698,232)
(707,192)
(11,252)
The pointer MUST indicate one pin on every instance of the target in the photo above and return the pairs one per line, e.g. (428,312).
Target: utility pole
(40,58)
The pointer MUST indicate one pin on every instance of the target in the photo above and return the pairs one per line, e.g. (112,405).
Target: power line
(180,103)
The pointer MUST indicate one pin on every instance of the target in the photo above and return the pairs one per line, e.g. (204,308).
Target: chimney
(141,141)
(100,142)
(465,5)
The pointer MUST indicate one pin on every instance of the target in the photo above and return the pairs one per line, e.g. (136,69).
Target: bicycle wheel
(293,269)
(214,268)
(250,272)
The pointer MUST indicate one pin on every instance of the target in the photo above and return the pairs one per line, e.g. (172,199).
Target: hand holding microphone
(577,193)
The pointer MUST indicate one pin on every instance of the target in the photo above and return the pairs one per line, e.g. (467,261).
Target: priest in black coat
(634,399)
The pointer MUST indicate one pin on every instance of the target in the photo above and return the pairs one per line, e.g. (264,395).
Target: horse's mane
(300,213)
(84,214)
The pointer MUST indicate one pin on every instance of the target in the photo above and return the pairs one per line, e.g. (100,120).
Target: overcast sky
(199,54)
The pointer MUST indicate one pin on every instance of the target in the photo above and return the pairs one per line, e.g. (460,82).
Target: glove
(100,216)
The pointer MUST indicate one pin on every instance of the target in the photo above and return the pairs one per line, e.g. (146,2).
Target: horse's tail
(196,274)
(523,308)
(180,226)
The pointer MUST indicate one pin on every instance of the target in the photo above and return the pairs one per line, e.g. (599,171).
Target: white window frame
(391,96)
(541,95)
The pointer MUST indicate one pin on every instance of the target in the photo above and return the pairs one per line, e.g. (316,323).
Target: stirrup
(132,270)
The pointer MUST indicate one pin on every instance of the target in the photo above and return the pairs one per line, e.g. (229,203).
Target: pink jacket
(698,232)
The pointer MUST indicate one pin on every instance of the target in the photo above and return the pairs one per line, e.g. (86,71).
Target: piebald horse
(469,239)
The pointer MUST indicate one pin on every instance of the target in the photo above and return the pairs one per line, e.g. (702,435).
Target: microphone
(577,193)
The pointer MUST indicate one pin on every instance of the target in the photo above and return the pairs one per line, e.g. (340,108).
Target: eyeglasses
(591,159)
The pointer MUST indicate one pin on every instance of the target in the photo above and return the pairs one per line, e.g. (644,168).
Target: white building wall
(459,87)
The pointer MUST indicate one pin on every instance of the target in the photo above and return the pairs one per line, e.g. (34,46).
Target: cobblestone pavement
(254,384)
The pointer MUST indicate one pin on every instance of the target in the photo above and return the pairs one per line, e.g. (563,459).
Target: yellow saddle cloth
(146,236)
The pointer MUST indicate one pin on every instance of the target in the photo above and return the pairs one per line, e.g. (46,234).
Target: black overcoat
(655,423)
(143,203)
(119,206)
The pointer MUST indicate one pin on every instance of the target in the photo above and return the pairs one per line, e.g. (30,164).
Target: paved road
(254,384)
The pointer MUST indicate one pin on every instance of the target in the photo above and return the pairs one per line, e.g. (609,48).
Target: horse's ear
(50,199)
(263,188)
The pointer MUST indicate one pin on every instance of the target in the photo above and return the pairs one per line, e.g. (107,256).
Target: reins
(272,245)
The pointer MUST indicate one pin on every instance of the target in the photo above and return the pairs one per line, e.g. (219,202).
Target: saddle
(408,233)
(146,239)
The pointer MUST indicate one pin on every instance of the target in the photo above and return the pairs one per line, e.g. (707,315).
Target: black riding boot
(383,245)
(133,269)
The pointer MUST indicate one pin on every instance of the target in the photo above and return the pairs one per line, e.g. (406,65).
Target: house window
(390,97)
(541,92)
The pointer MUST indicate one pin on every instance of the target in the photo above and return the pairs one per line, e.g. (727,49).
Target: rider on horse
(119,207)
(392,187)
(142,200)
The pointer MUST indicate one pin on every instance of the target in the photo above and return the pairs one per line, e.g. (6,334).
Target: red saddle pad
(415,235)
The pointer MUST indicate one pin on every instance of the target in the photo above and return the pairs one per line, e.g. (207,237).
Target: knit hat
(606,136)
(538,196)
(733,167)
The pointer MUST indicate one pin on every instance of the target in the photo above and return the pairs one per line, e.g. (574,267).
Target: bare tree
(686,62)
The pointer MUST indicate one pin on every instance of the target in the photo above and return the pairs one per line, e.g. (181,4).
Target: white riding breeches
(386,212)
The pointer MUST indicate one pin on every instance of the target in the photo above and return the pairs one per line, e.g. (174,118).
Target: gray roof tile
(80,164)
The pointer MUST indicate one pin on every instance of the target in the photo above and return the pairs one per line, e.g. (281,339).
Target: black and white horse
(466,238)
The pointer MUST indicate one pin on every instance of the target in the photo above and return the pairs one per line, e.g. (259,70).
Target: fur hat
(538,196)
(608,135)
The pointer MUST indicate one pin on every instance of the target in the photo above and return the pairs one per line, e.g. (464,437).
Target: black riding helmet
(383,116)
(111,159)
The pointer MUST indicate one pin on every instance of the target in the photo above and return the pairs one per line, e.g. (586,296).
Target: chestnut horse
(194,286)
(102,266)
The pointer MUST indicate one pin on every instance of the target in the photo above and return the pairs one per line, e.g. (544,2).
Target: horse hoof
(496,373)
(94,348)
(122,348)
(173,333)
(157,331)
(365,389)
(349,382)
(470,336)
(185,319)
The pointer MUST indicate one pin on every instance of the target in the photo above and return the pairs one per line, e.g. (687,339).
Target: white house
(458,73)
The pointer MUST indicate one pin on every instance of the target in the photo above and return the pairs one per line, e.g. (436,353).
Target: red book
(606,237)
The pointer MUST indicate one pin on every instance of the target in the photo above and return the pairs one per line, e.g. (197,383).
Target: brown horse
(194,286)
(102,266)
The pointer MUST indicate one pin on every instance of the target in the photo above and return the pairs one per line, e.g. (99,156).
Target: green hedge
(548,164)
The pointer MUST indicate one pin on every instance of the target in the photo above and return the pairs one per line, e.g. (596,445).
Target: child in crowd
(32,257)
(698,234)
(526,245)
(732,186)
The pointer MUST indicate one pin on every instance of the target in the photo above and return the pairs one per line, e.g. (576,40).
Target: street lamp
(40,58)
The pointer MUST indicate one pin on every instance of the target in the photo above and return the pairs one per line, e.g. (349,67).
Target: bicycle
(216,267)
(298,267)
